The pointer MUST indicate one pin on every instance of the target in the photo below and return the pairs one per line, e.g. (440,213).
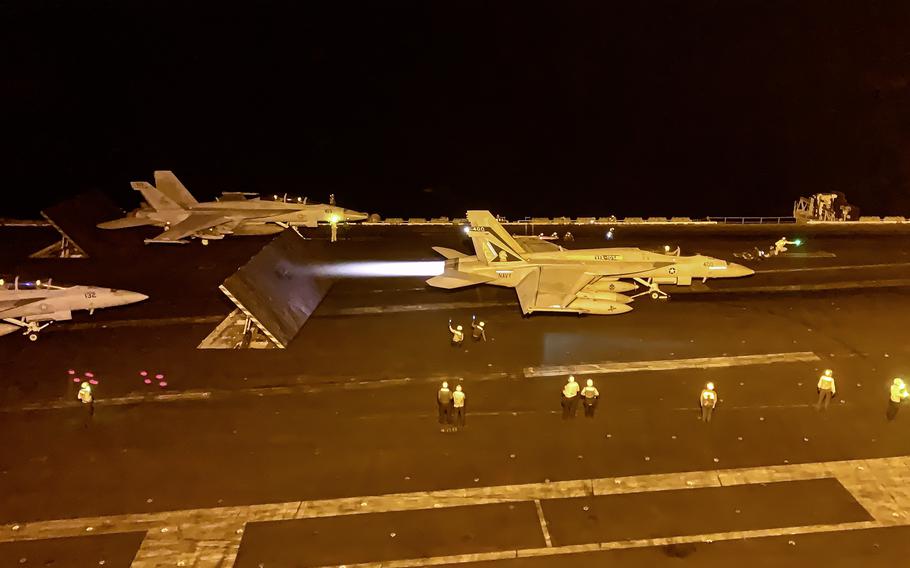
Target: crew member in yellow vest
(569,398)
(457,334)
(478,332)
(708,401)
(826,390)
(458,403)
(589,396)
(444,404)
(898,394)
(87,400)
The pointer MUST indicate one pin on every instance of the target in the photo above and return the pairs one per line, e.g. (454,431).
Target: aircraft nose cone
(354,215)
(736,270)
(127,297)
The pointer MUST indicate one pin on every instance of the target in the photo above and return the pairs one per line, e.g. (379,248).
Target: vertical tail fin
(155,198)
(492,243)
(168,184)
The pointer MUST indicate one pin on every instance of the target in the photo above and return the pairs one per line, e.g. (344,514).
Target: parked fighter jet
(170,205)
(550,278)
(33,306)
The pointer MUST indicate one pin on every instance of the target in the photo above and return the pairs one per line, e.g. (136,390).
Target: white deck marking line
(114,401)
(543,523)
(671,364)
(589,368)
(823,268)
(212,536)
(849,285)
(150,322)
(613,545)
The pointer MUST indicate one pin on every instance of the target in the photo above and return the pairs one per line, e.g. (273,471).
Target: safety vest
(826,383)
(458,397)
(85,395)
(478,331)
(708,397)
(590,392)
(570,390)
(457,336)
(898,393)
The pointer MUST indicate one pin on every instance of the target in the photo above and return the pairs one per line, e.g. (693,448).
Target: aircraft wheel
(655,295)
(205,242)
(33,337)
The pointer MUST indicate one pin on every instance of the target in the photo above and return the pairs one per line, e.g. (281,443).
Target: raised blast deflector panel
(281,287)
(76,218)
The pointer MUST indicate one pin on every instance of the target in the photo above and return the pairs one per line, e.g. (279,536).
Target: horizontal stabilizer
(125,223)
(453,279)
(157,200)
(449,253)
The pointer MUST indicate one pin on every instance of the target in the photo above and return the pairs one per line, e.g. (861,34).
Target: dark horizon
(664,109)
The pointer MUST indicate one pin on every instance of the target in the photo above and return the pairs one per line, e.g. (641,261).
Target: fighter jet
(168,204)
(32,306)
(550,278)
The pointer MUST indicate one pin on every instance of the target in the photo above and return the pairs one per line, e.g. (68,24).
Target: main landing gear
(30,328)
(653,289)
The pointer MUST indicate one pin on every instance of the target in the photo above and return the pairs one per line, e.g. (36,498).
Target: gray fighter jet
(32,306)
(550,278)
(170,205)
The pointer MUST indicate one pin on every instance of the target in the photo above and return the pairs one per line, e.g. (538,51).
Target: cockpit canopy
(16,283)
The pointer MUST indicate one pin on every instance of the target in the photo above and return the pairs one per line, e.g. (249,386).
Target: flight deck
(328,452)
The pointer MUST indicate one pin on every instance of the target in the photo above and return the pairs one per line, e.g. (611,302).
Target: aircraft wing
(620,269)
(558,288)
(527,290)
(15,308)
(125,223)
(189,227)
(7,328)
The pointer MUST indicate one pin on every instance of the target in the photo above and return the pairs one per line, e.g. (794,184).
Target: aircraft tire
(33,337)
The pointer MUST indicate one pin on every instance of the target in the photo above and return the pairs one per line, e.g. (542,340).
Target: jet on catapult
(549,278)
(32,306)
(170,205)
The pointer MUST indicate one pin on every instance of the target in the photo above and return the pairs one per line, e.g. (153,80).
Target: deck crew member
(898,394)
(478,332)
(826,390)
(708,401)
(458,404)
(569,398)
(87,400)
(589,396)
(444,402)
(457,334)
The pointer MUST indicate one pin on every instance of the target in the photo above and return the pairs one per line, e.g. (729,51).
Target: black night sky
(429,108)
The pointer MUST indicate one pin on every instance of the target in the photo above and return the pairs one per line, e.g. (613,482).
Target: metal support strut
(653,289)
(31,328)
